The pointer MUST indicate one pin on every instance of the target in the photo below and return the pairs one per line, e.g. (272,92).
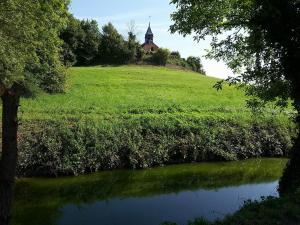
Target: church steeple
(149,45)
(149,35)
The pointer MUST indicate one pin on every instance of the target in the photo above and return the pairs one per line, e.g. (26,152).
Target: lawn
(114,91)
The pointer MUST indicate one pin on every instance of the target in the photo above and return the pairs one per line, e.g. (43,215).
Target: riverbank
(279,211)
(49,148)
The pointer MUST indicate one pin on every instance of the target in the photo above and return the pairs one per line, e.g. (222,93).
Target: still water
(146,197)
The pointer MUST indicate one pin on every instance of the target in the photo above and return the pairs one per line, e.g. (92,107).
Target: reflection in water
(174,193)
(180,207)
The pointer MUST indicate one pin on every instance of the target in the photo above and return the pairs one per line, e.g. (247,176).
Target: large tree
(113,48)
(259,39)
(29,53)
(81,42)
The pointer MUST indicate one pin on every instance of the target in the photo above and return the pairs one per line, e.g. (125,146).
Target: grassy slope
(139,117)
(106,91)
(132,92)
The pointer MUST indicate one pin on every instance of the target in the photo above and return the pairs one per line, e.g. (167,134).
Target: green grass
(105,92)
(140,117)
(143,116)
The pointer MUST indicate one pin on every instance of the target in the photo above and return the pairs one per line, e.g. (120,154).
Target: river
(177,193)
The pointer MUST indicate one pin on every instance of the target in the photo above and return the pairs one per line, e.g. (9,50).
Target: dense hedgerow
(77,147)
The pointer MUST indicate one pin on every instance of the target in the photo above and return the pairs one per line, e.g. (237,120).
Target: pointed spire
(149,31)
(149,35)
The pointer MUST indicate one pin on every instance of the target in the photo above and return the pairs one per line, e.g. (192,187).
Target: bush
(55,148)
(160,57)
(195,64)
(175,59)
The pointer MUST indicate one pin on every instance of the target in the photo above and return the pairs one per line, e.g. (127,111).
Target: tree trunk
(8,163)
(290,180)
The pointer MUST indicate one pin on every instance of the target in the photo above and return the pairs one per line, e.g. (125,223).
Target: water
(148,197)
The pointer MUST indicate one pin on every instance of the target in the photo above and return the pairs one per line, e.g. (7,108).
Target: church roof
(149,31)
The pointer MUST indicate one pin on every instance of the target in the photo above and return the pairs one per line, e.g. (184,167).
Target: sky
(122,12)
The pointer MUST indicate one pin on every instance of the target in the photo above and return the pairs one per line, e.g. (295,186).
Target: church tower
(149,45)
(149,35)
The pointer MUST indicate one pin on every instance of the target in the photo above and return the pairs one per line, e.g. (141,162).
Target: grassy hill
(139,117)
(115,91)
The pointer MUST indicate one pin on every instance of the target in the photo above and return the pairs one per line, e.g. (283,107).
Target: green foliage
(85,44)
(113,48)
(283,211)
(175,55)
(71,37)
(140,54)
(107,120)
(52,148)
(136,52)
(28,38)
(192,63)
(48,73)
(81,42)
(175,59)
(259,41)
(90,43)
(195,64)
(160,57)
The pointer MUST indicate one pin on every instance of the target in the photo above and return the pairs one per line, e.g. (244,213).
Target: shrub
(160,57)
(55,148)
(195,64)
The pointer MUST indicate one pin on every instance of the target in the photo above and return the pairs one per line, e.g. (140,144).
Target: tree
(89,44)
(28,36)
(132,46)
(81,42)
(176,55)
(136,52)
(160,57)
(195,64)
(262,43)
(113,49)
(71,36)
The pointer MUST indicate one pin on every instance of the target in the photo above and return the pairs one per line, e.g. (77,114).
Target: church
(149,46)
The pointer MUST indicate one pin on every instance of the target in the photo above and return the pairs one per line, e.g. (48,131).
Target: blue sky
(121,12)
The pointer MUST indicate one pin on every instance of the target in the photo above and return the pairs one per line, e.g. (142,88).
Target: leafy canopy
(29,36)
(257,38)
